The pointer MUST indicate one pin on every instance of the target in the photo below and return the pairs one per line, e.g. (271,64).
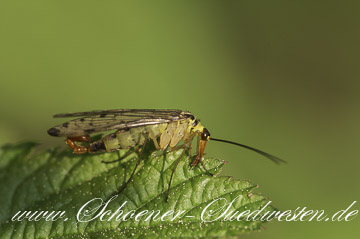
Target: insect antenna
(267,155)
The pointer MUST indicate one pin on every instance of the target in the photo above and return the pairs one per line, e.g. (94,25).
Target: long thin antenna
(269,156)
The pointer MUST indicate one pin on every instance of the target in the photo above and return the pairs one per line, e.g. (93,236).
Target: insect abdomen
(169,133)
(128,138)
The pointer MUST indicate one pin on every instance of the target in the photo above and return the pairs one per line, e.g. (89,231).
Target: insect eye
(205,134)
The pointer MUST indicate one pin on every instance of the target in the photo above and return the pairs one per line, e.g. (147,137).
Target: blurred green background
(282,76)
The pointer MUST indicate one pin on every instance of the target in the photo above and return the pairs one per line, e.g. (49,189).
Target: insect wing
(138,112)
(99,121)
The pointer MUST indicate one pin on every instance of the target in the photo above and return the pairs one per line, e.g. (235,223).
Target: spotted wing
(104,120)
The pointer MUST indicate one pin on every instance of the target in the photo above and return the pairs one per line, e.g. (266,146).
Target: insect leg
(187,143)
(124,156)
(207,171)
(172,173)
(137,164)
(175,148)
(198,150)
(154,139)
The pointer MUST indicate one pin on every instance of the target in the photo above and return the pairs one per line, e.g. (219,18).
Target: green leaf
(55,180)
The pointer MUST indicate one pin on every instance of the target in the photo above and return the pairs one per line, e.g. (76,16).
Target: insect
(134,128)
